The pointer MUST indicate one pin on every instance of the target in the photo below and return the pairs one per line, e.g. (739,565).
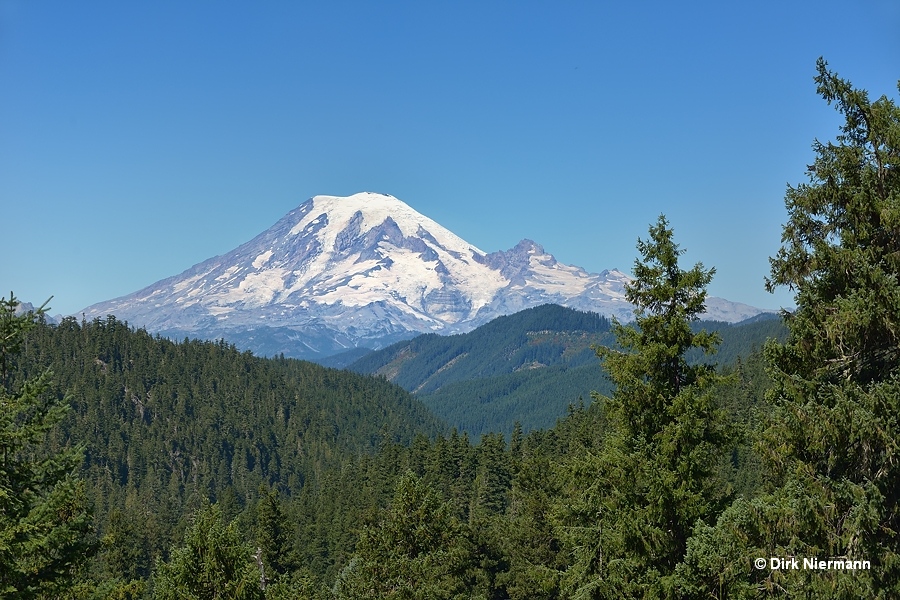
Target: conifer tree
(44,518)
(832,441)
(633,503)
(214,563)
(416,551)
(273,548)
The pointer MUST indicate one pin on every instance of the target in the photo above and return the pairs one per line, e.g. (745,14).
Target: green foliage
(739,340)
(534,398)
(527,367)
(168,425)
(652,370)
(536,554)
(504,345)
(414,551)
(837,394)
(629,508)
(44,520)
(214,563)
(831,443)
(304,464)
(537,395)
(841,251)
(272,543)
(743,398)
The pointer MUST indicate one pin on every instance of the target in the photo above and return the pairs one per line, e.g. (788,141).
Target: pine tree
(530,541)
(416,551)
(832,441)
(213,564)
(837,396)
(44,520)
(272,543)
(634,502)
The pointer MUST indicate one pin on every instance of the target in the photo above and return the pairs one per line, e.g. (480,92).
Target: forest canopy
(138,467)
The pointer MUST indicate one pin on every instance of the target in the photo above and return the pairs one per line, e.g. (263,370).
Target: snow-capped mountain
(364,270)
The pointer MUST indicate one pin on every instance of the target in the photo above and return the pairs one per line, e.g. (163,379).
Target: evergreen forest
(135,467)
(525,369)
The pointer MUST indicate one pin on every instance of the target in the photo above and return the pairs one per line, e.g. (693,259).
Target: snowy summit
(364,270)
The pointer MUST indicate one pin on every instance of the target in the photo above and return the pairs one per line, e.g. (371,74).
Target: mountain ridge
(365,270)
(530,366)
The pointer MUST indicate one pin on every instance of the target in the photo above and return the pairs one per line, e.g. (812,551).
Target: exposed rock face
(364,270)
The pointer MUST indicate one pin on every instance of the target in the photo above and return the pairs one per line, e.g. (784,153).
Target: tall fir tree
(44,519)
(831,444)
(273,548)
(417,550)
(214,563)
(634,500)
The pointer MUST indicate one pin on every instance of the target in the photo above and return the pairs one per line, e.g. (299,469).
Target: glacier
(363,271)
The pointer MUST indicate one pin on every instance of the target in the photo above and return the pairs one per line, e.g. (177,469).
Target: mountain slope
(363,271)
(168,424)
(538,337)
(526,367)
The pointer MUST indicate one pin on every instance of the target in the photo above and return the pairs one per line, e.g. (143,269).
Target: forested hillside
(170,427)
(208,473)
(167,426)
(505,345)
(528,367)
(198,429)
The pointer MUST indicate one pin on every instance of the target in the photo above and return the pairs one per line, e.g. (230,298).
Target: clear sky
(140,138)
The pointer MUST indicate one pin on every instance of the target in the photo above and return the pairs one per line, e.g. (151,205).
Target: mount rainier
(365,270)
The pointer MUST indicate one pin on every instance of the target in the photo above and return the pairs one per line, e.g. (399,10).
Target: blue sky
(137,139)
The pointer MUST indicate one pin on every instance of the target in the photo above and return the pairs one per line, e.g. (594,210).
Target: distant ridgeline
(528,367)
(168,425)
(335,485)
